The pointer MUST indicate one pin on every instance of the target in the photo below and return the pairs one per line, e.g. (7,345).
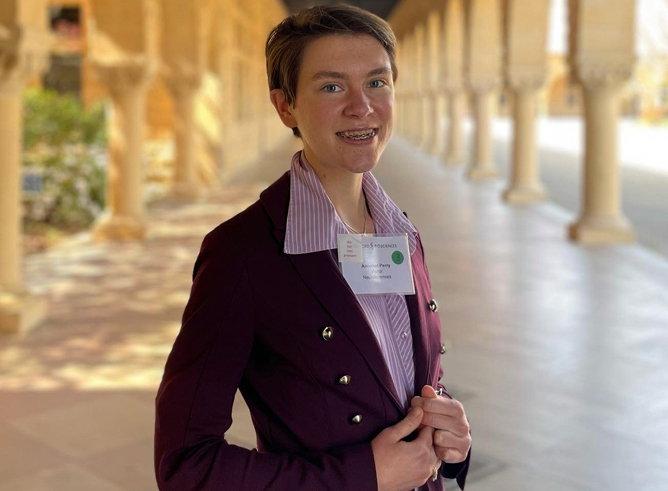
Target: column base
(20,313)
(524,194)
(118,228)
(454,160)
(601,231)
(482,173)
(184,191)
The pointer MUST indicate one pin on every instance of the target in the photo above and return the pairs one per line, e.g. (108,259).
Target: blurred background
(530,149)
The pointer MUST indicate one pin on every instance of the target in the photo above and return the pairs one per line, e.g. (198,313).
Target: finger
(444,438)
(426,436)
(442,405)
(428,392)
(446,423)
(407,425)
(450,455)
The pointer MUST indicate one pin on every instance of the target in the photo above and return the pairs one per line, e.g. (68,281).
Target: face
(344,102)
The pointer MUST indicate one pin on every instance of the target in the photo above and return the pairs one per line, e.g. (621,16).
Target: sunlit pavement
(559,352)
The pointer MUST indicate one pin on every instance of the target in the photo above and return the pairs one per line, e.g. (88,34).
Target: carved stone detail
(23,54)
(521,80)
(120,78)
(595,75)
(482,85)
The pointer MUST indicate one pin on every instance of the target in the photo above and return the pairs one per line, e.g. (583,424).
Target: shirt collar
(313,224)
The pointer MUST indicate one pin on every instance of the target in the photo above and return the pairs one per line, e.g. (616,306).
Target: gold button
(433,306)
(327,333)
(357,419)
(442,350)
(345,380)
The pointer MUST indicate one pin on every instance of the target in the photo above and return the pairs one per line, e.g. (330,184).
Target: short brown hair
(288,40)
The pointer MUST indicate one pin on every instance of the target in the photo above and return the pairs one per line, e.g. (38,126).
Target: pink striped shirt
(313,225)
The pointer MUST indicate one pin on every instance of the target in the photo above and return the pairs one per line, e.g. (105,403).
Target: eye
(331,88)
(376,84)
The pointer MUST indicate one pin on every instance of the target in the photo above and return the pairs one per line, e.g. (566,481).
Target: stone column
(525,186)
(433,71)
(482,165)
(601,219)
(410,91)
(483,76)
(439,105)
(399,101)
(124,217)
(419,138)
(525,26)
(23,44)
(602,59)
(183,92)
(123,43)
(453,60)
(454,154)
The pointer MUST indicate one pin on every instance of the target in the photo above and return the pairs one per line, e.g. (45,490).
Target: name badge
(376,264)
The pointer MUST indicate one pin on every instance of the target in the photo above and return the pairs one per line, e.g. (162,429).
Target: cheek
(384,110)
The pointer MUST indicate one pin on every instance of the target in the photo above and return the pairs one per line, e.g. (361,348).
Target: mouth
(358,135)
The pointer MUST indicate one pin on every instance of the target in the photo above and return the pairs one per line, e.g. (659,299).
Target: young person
(339,383)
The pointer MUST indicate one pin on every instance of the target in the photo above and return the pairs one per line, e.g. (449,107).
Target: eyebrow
(342,76)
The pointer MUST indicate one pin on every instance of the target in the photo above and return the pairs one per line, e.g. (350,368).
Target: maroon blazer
(254,321)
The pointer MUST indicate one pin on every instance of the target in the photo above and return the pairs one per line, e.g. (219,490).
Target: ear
(283,109)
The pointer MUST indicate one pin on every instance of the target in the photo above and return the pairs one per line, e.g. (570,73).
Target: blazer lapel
(322,276)
(416,312)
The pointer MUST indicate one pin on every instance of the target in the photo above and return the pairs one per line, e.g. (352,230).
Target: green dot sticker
(397,257)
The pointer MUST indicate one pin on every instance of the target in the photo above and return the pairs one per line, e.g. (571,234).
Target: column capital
(481,85)
(604,74)
(183,84)
(23,54)
(120,78)
(453,86)
(526,80)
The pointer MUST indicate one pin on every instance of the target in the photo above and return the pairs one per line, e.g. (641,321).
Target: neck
(344,190)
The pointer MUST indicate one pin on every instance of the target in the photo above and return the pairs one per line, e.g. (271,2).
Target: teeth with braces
(358,135)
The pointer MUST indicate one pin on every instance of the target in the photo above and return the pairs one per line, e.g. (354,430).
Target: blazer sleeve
(459,470)
(202,374)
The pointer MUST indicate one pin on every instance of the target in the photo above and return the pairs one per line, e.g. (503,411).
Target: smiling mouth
(358,135)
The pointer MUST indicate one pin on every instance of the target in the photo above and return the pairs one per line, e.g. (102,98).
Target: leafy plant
(64,143)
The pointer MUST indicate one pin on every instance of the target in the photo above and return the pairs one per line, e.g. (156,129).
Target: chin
(362,163)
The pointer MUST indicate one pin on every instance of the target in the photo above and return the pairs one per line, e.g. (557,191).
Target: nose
(359,104)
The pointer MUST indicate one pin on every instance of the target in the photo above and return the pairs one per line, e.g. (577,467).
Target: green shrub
(65,143)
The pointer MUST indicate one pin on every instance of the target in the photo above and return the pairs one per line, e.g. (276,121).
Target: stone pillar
(122,41)
(398,121)
(419,135)
(454,152)
(483,52)
(410,91)
(439,112)
(433,73)
(454,24)
(601,219)
(525,36)
(124,216)
(183,90)
(183,50)
(602,60)
(23,44)
(524,184)
(482,165)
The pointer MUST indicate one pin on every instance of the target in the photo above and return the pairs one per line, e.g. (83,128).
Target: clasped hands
(452,440)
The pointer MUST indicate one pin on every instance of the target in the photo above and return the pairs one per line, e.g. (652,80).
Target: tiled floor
(560,352)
